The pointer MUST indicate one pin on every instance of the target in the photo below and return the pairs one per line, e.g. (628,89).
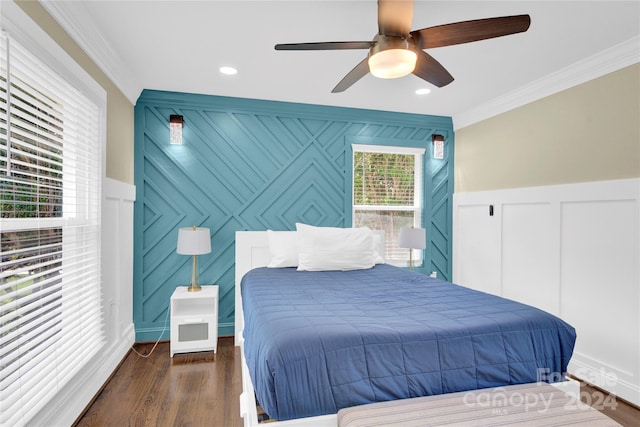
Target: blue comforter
(316,342)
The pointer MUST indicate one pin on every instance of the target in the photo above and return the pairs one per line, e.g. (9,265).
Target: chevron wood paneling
(256,165)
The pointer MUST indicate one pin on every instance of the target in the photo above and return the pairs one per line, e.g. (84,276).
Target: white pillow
(283,247)
(329,248)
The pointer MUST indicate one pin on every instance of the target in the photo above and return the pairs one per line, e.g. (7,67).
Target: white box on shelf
(194,320)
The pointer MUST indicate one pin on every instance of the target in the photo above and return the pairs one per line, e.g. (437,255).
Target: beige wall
(119,108)
(590,132)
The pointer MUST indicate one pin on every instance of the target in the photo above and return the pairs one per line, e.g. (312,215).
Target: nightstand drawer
(193,332)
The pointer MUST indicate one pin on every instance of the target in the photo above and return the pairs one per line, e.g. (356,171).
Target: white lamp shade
(413,238)
(194,241)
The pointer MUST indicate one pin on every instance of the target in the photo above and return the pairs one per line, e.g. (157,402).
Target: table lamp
(194,241)
(412,238)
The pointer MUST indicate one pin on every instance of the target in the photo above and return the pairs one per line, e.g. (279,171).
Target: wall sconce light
(175,129)
(438,147)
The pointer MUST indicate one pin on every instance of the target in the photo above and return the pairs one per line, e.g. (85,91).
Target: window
(387,194)
(50,180)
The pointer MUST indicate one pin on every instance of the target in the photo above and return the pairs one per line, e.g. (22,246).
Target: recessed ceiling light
(423,91)
(229,71)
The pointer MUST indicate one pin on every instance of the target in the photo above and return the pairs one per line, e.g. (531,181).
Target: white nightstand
(194,320)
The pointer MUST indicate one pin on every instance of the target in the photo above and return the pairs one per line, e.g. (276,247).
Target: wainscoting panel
(572,250)
(528,234)
(117,258)
(477,242)
(600,290)
(257,165)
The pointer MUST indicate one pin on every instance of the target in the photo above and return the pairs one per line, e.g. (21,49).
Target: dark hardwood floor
(192,389)
(615,408)
(202,389)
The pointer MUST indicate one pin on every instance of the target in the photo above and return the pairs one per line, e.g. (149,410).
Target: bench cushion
(537,404)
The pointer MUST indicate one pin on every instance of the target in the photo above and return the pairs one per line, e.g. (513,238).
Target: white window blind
(387,194)
(50,180)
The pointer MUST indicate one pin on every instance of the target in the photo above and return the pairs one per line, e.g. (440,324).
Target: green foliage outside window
(383,179)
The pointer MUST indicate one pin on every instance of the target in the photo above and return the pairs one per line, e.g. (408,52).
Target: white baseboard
(612,380)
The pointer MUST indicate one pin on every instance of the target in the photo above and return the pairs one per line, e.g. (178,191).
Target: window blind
(50,172)
(387,194)
(384,179)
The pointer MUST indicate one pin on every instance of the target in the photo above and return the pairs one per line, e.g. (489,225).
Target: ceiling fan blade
(470,31)
(395,17)
(358,72)
(427,68)
(323,46)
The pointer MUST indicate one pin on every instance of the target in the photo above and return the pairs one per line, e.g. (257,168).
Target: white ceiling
(179,46)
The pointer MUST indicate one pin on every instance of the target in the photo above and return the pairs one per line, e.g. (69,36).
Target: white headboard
(252,251)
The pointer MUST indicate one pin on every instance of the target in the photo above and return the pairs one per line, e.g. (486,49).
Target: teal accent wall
(254,165)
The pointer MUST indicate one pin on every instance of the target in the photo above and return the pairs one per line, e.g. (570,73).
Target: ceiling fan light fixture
(391,57)
(392,63)
(396,50)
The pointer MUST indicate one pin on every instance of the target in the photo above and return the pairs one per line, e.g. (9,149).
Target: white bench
(537,404)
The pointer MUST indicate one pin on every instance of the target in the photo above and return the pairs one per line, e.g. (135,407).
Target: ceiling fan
(396,51)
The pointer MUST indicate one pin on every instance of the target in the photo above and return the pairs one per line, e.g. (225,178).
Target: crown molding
(74,18)
(605,62)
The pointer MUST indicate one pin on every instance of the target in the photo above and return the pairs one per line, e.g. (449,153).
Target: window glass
(387,194)
(50,180)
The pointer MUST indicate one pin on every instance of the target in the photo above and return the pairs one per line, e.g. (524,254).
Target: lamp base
(410,259)
(194,287)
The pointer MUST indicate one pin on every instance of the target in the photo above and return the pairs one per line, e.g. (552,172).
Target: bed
(314,342)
